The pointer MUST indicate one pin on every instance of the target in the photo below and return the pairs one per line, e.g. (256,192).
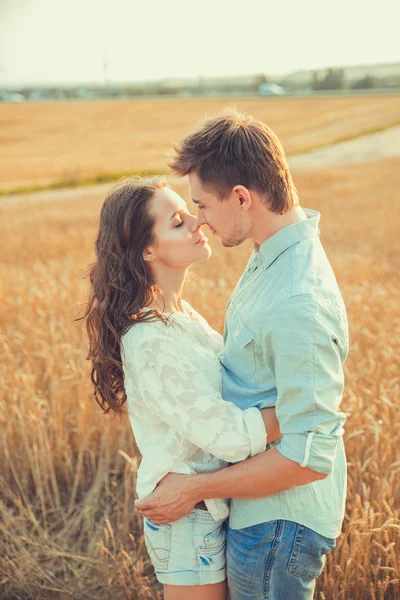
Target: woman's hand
(271,424)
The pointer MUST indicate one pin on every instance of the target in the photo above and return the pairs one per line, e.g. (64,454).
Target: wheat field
(68,529)
(45,143)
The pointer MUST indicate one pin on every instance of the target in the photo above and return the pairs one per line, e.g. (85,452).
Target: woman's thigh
(213,591)
(189,552)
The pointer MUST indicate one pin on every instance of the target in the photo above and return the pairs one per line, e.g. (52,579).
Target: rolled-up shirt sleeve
(171,385)
(305,346)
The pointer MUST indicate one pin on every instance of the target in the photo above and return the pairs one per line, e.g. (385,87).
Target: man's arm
(305,347)
(262,475)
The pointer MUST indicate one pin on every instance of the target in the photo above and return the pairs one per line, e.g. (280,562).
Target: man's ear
(243,195)
(148,254)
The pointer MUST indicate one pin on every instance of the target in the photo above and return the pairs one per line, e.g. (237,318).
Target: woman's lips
(202,240)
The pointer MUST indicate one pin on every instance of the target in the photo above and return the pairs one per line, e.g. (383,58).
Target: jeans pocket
(215,537)
(309,552)
(158,543)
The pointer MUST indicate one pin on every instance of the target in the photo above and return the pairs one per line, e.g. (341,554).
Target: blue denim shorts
(190,551)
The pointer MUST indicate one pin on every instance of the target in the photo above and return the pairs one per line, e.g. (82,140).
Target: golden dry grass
(44,143)
(68,527)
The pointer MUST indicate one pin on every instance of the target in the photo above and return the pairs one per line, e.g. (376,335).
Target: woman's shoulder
(144,331)
(196,314)
(213,334)
(193,312)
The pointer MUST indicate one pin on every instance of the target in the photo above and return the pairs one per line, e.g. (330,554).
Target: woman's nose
(196,226)
(199,222)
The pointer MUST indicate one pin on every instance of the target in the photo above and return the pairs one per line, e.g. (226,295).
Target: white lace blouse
(179,419)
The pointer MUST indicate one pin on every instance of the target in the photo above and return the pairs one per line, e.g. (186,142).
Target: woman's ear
(148,254)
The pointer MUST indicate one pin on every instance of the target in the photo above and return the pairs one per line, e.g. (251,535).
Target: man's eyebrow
(196,201)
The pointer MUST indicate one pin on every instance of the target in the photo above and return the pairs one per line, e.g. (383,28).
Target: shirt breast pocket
(238,355)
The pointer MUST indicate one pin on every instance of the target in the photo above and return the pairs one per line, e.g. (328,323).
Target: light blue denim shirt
(286,338)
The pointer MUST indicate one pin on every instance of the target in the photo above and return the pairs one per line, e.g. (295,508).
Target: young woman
(151,349)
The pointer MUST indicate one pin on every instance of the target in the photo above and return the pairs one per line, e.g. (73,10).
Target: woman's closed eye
(182,216)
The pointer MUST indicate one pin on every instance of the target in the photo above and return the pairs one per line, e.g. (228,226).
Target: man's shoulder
(308,274)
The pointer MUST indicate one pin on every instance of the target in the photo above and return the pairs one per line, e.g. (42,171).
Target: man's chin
(231,243)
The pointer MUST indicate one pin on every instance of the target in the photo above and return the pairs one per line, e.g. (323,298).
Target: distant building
(7,96)
(270,89)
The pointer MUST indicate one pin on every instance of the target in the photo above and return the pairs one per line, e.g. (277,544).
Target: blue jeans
(279,560)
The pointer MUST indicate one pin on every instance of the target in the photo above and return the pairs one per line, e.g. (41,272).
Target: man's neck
(267,224)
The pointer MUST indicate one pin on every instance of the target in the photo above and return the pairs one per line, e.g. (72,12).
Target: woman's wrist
(271,424)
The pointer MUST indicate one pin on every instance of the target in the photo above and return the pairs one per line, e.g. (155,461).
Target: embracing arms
(305,347)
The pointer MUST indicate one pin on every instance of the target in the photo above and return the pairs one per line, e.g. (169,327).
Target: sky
(68,41)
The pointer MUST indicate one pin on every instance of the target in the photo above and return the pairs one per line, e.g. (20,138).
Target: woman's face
(176,245)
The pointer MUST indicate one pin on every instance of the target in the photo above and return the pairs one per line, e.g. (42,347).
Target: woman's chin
(204,252)
(207,250)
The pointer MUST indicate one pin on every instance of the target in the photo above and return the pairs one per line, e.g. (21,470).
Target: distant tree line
(306,82)
(334,79)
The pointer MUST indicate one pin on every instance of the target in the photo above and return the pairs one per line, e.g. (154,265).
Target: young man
(286,338)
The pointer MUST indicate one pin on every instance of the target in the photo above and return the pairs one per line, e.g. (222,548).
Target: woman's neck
(171,285)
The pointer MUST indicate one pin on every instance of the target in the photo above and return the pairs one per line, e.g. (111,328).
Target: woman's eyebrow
(178,212)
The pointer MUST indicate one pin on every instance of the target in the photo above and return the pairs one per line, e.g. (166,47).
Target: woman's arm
(271,424)
(168,380)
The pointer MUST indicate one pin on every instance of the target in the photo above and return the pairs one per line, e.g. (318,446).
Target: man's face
(224,218)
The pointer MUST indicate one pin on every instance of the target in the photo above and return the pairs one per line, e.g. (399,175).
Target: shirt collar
(269,250)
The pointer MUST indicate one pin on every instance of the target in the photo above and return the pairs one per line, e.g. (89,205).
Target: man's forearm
(263,475)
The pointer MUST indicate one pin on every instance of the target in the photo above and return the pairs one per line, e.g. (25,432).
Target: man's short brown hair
(237,149)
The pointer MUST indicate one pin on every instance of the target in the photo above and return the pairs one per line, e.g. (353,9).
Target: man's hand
(173,498)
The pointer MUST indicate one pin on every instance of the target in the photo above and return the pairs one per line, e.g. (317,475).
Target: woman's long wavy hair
(121,284)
